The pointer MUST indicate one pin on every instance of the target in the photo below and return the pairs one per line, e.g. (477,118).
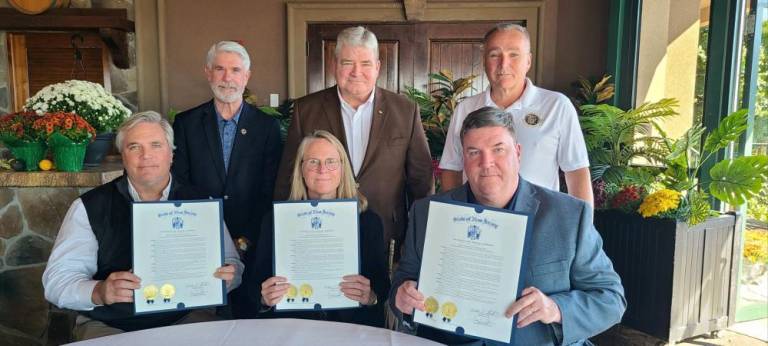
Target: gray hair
(151,117)
(228,47)
(487,117)
(507,27)
(357,36)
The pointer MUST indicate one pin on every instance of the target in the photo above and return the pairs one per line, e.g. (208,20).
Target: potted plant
(756,255)
(25,142)
(67,134)
(616,138)
(282,113)
(436,109)
(90,101)
(675,255)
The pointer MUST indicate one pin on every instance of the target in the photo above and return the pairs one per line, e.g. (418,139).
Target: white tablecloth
(261,332)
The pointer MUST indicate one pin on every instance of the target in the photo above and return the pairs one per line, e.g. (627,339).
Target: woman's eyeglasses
(315,164)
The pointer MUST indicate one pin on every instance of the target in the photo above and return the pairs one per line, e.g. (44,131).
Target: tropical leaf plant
(733,181)
(593,93)
(437,106)
(283,113)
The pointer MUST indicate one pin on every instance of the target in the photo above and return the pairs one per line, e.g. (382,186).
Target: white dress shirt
(68,278)
(357,127)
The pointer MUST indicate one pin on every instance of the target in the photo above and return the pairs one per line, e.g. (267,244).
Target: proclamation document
(471,269)
(177,246)
(316,244)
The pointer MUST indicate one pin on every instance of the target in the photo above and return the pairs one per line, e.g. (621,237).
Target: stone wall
(29,221)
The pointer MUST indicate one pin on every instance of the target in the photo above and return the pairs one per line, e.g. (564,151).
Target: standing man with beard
(228,148)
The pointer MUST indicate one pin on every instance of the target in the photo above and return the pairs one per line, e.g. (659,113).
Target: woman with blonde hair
(323,171)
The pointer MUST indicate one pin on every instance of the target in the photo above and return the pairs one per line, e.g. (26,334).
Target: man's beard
(222,96)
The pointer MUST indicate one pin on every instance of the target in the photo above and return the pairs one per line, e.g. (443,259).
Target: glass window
(753,93)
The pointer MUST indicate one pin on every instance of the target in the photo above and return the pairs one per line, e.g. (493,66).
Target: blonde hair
(347,186)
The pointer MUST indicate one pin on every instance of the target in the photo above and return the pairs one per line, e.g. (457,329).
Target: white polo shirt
(547,129)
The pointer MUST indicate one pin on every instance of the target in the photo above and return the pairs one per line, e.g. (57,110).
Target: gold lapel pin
(243,132)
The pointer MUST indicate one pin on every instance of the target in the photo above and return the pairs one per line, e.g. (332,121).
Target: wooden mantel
(111,24)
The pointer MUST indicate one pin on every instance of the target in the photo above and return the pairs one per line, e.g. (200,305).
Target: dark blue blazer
(248,185)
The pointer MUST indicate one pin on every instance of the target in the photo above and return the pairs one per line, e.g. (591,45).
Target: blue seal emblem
(177,223)
(473,232)
(316,222)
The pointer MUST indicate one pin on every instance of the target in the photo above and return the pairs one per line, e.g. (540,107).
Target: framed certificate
(471,269)
(316,244)
(177,246)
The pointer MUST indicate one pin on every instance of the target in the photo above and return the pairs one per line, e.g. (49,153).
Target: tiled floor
(757,329)
(753,333)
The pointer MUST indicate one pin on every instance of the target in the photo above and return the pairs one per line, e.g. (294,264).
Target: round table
(282,331)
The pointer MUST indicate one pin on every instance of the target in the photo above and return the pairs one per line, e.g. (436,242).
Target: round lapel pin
(243,132)
(532,119)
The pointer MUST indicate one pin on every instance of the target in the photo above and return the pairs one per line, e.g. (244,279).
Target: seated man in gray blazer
(571,290)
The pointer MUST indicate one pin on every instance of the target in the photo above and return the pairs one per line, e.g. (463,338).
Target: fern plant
(616,138)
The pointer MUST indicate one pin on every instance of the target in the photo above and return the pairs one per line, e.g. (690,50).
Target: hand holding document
(316,245)
(471,269)
(177,248)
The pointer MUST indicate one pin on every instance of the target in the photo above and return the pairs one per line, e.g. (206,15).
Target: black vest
(109,213)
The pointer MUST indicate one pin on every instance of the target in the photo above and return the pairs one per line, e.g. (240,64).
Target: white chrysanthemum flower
(87,99)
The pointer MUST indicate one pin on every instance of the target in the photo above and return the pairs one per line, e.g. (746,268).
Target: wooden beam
(66,19)
(18,68)
(111,24)
(414,10)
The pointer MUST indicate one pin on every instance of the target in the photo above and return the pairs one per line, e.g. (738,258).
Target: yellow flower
(659,202)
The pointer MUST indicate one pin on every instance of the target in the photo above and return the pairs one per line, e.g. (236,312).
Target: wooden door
(408,53)
(396,53)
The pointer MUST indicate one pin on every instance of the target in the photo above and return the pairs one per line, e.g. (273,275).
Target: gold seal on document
(449,310)
(150,293)
(306,291)
(167,291)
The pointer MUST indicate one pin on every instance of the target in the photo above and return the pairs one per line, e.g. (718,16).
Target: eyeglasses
(314,164)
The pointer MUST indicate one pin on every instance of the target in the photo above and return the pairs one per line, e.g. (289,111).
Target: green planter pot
(29,152)
(69,157)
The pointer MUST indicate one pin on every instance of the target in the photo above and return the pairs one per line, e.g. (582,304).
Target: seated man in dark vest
(90,265)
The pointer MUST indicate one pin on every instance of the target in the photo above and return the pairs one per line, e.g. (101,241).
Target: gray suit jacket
(566,261)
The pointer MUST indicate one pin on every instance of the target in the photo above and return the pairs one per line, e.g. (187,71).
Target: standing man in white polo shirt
(545,121)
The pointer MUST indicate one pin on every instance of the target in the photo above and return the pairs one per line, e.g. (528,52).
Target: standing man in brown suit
(381,132)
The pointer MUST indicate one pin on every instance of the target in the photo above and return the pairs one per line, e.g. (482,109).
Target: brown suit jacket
(397,162)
